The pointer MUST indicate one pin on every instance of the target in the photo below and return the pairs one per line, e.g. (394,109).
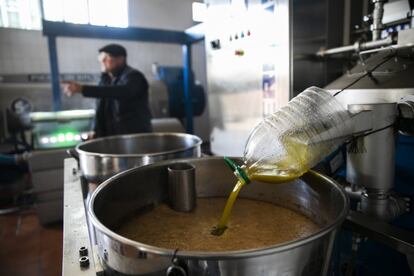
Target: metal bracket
(394,237)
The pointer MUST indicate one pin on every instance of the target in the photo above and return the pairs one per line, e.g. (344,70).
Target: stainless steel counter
(75,229)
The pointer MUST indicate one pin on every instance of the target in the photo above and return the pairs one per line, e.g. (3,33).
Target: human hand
(71,87)
(91,135)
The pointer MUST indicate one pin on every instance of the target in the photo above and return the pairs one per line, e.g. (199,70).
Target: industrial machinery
(26,102)
(376,91)
(43,137)
(379,88)
(61,129)
(383,103)
(167,97)
(248,56)
(51,134)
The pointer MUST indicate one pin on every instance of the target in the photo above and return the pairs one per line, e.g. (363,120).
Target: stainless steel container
(104,157)
(121,196)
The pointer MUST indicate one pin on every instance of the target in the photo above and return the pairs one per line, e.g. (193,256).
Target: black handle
(73,153)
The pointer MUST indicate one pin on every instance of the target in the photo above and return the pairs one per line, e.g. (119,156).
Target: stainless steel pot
(104,157)
(120,197)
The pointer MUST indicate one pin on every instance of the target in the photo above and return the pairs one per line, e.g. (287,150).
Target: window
(199,11)
(25,14)
(113,13)
(22,14)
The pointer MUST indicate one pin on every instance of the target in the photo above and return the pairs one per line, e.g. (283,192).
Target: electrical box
(248,55)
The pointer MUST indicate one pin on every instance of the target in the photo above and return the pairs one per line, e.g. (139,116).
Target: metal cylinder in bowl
(104,157)
(101,158)
(120,197)
(181,187)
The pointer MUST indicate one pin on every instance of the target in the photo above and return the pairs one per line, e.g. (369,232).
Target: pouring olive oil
(287,143)
(222,225)
(245,176)
(293,164)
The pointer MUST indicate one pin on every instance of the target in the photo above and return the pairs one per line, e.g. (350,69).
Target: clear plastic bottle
(292,140)
(289,142)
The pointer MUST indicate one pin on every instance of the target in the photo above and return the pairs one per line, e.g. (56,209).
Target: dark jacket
(122,106)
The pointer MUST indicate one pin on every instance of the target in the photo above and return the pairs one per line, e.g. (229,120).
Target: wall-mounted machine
(248,67)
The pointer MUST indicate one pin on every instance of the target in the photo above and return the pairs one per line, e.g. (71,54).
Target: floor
(27,248)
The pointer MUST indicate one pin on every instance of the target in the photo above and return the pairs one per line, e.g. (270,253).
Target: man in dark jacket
(122,94)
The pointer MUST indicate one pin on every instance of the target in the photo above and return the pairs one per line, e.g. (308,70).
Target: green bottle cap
(237,170)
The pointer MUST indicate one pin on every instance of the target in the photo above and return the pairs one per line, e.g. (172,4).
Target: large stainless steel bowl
(318,197)
(104,157)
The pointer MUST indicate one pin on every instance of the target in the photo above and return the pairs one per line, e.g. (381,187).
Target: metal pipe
(377,19)
(356,47)
(354,192)
(376,44)
(384,206)
(337,50)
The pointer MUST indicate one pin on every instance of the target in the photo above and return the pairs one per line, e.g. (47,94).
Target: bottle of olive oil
(286,144)
(297,136)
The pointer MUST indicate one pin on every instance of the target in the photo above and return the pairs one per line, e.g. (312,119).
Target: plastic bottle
(292,140)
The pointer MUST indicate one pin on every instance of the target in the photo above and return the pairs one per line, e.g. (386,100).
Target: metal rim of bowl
(197,143)
(248,253)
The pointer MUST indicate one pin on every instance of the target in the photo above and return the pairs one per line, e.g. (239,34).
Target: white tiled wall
(24,51)
(141,55)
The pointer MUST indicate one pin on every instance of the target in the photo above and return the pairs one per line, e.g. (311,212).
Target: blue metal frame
(51,28)
(55,29)
(53,59)
(188,87)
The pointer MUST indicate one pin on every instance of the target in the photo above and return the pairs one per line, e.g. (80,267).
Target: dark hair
(114,50)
